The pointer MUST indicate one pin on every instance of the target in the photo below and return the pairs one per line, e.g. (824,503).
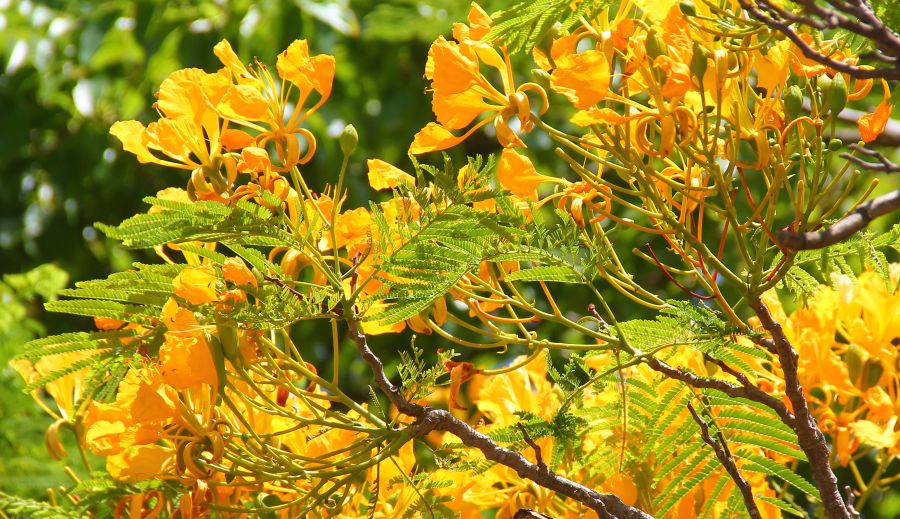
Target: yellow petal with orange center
(131,133)
(236,271)
(434,137)
(450,71)
(386,176)
(233,140)
(456,111)
(594,115)
(181,96)
(874,435)
(254,159)
(230,59)
(872,125)
(186,362)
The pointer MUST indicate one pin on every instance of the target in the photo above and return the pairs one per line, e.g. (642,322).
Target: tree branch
(724,455)
(883,165)
(862,21)
(428,419)
(810,438)
(846,226)
(745,390)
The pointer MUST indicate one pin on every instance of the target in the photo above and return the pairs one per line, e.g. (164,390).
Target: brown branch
(745,390)
(882,166)
(428,419)
(867,25)
(810,438)
(537,448)
(846,226)
(724,455)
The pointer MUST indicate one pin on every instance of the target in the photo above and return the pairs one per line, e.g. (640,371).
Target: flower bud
(699,61)
(837,94)
(349,139)
(688,8)
(655,45)
(824,87)
(540,77)
(793,102)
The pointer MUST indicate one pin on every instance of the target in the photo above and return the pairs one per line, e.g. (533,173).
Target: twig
(860,20)
(883,165)
(429,419)
(534,446)
(846,226)
(724,455)
(809,437)
(851,500)
(745,390)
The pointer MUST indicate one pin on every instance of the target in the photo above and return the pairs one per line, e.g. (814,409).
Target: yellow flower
(462,93)
(386,176)
(197,285)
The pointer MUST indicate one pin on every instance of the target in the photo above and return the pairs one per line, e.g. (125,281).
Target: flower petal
(305,71)
(386,176)
(583,78)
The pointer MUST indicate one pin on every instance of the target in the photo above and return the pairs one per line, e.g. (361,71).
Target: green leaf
(756,463)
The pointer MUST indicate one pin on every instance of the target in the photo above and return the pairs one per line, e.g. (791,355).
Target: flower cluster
(678,119)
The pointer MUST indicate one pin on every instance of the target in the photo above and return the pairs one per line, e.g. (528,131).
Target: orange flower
(236,271)
(516,173)
(386,176)
(872,125)
(462,93)
(197,285)
(583,78)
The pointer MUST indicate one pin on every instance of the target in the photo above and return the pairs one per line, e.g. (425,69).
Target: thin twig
(534,446)
(857,18)
(745,390)
(429,419)
(851,500)
(882,166)
(724,455)
(843,228)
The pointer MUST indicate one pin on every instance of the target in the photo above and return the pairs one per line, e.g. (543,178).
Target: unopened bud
(540,76)
(699,61)
(837,94)
(349,139)
(793,102)
(656,46)
(688,8)
(824,86)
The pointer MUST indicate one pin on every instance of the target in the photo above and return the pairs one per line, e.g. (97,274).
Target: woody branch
(429,419)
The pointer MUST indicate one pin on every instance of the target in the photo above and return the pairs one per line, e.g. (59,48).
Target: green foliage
(523,25)
(242,222)
(419,379)
(812,268)
(20,507)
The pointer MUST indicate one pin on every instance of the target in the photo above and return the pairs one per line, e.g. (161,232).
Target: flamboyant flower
(462,93)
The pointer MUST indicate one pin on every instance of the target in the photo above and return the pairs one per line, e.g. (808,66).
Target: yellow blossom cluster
(677,118)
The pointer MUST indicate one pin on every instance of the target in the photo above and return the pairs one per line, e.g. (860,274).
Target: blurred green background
(69,69)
